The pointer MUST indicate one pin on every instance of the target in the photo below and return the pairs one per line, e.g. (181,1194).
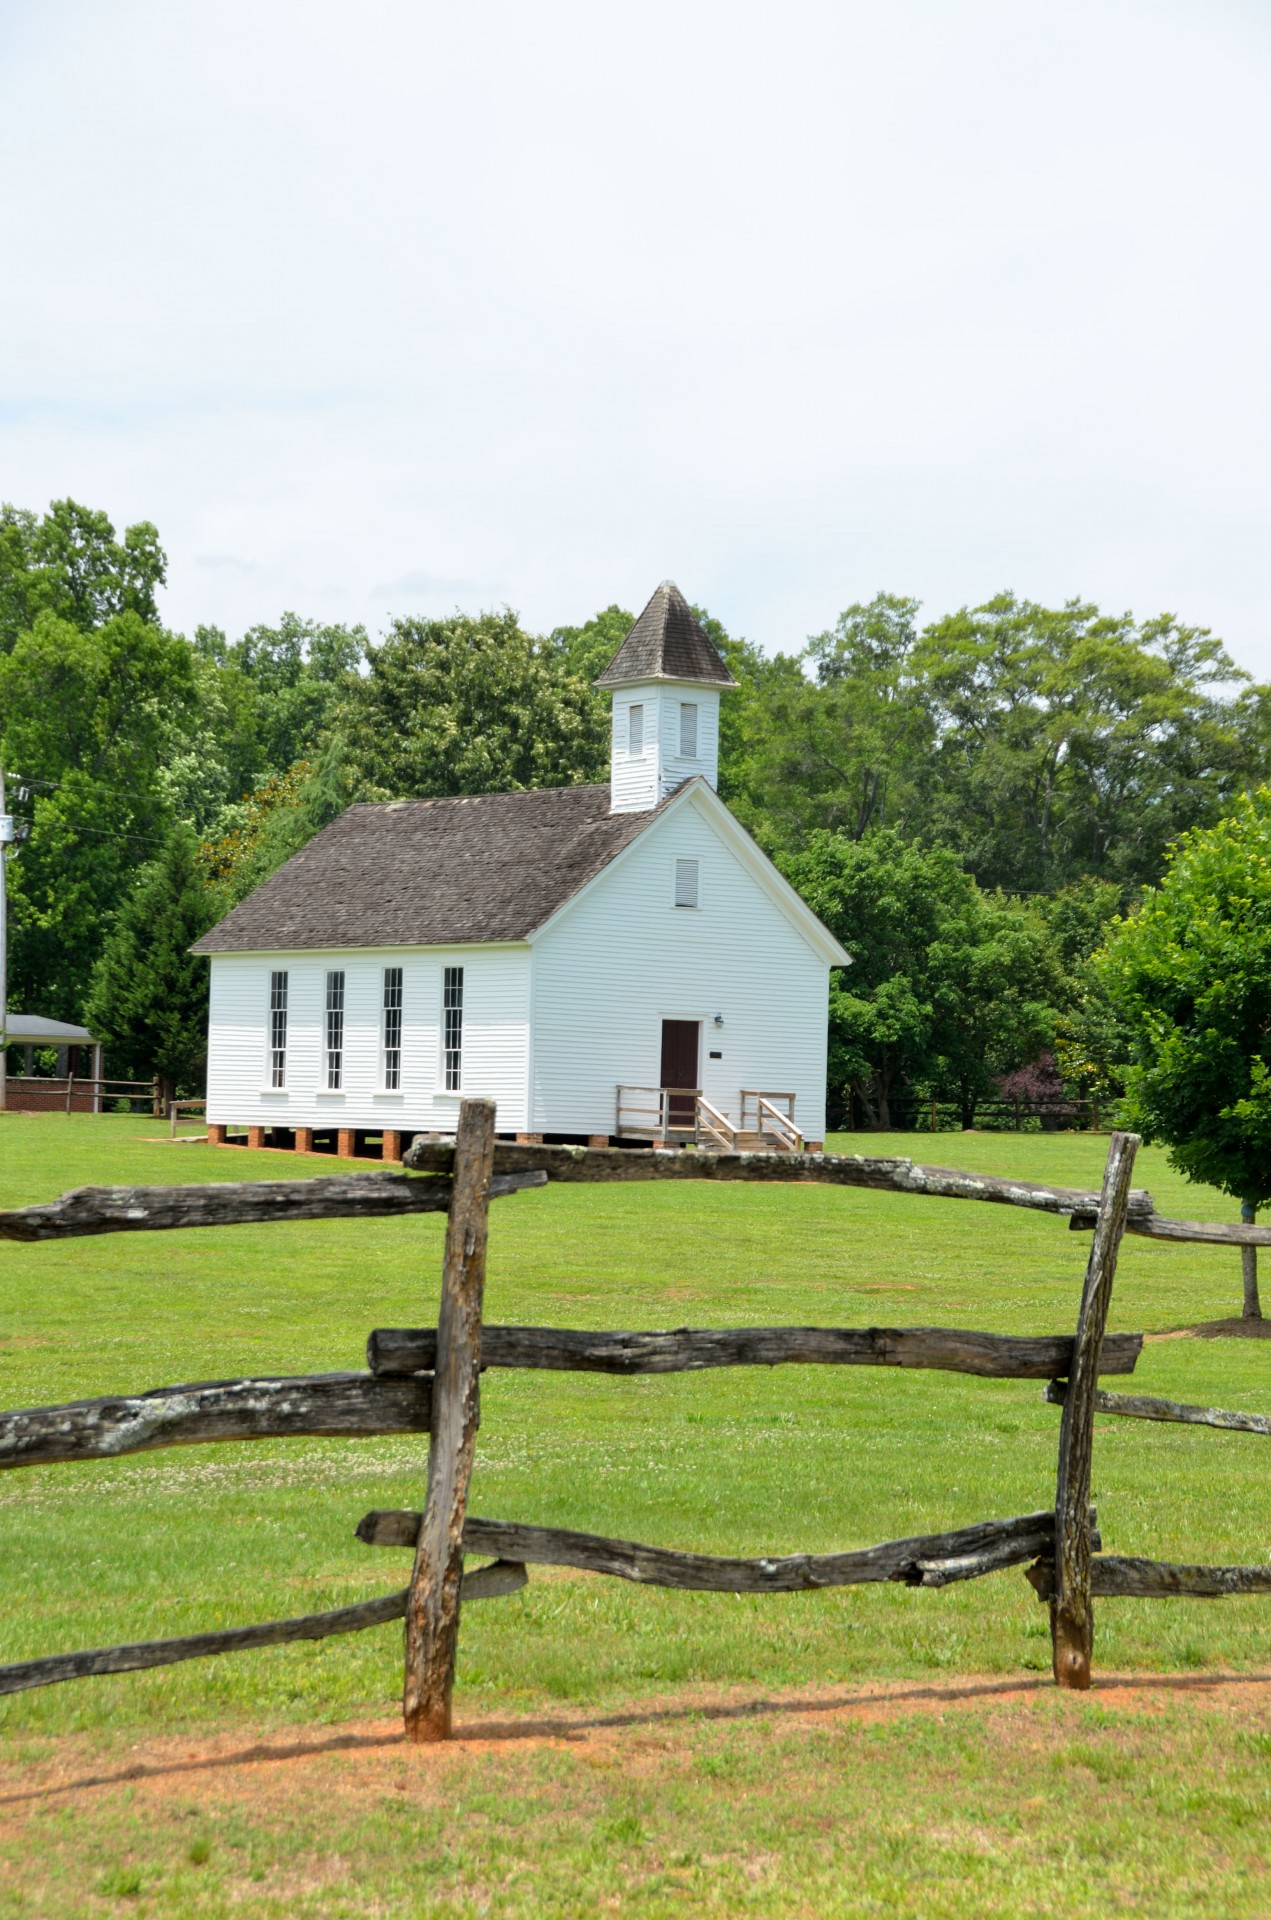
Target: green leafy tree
(997,978)
(470,705)
(301,672)
(586,651)
(947,988)
(847,747)
(148,999)
(1190,973)
(1071,741)
(85,717)
(255,838)
(885,901)
(1091,1042)
(68,562)
(211,753)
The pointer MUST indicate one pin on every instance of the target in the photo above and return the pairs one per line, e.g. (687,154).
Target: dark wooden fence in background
(425,1380)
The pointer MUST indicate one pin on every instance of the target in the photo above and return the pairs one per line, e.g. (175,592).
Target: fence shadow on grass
(578,1731)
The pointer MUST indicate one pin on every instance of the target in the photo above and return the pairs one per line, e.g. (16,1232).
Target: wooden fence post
(1071,1612)
(432,1611)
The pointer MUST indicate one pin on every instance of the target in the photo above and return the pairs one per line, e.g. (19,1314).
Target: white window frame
(685,860)
(392,999)
(452,982)
(276,1031)
(635,729)
(688,707)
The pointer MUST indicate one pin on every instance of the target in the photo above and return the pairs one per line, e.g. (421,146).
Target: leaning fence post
(432,1612)
(1071,1612)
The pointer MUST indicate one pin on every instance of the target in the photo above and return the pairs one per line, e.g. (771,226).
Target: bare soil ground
(370,1757)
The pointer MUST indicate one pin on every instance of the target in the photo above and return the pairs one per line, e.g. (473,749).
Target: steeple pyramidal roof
(667,643)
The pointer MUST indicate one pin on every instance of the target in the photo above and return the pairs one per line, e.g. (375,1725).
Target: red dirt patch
(371,1758)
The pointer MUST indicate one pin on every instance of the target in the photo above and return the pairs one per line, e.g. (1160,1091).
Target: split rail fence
(426,1380)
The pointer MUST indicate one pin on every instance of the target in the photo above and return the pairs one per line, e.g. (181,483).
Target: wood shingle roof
(419,873)
(667,643)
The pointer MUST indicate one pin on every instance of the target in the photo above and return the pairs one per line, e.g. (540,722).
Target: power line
(108,833)
(37,780)
(23,781)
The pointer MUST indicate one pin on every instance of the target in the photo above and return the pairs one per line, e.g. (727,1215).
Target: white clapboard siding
(677,767)
(495,1039)
(639,781)
(633,780)
(622,958)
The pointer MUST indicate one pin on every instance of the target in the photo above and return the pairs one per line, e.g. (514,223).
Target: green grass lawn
(744,1461)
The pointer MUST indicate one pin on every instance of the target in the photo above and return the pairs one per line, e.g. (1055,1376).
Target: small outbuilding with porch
(79,1059)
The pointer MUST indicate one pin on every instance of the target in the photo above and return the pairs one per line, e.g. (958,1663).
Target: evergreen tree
(148,999)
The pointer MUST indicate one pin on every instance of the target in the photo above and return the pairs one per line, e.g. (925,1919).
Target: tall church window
(335,1031)
(452,1016)
(635,728)
(278,1029)
(688,729)
(392,1029)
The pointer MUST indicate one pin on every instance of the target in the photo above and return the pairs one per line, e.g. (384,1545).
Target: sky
(388,308)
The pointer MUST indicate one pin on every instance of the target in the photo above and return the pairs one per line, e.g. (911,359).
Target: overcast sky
(382,307)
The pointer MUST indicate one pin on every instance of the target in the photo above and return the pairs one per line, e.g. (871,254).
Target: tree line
(968,803)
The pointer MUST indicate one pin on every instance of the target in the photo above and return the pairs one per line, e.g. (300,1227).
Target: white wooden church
(615,962)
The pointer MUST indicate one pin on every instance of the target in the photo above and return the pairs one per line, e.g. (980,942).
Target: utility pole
(8,834)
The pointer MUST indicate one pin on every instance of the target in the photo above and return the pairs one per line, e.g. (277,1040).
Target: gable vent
(686,875)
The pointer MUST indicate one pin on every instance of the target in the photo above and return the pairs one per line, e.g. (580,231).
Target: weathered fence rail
(392,1351)
(590,1165)
(933,1559)
(239,1203)
(327,1406)
(427,1379)
(1142,1406)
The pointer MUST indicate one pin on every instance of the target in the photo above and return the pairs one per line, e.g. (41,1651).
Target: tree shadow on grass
(1234,1329)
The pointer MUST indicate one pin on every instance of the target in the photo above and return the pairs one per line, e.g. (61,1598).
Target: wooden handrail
(716,1125)
(782,1123)
(662,1127)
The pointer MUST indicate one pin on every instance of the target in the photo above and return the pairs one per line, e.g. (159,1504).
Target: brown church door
(679,1068)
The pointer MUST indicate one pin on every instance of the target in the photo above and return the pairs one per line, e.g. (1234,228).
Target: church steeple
(666,679)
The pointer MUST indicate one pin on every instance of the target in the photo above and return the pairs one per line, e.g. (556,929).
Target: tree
(947,988)
(887,903)
(148,999)
(996,980)
(1091,1042)
(470,705)
(845,748)
(212,752)
(300,671)
(255,838)
(70,564)
(85,717)
(587,650)
(1072,741)
(1190,973)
